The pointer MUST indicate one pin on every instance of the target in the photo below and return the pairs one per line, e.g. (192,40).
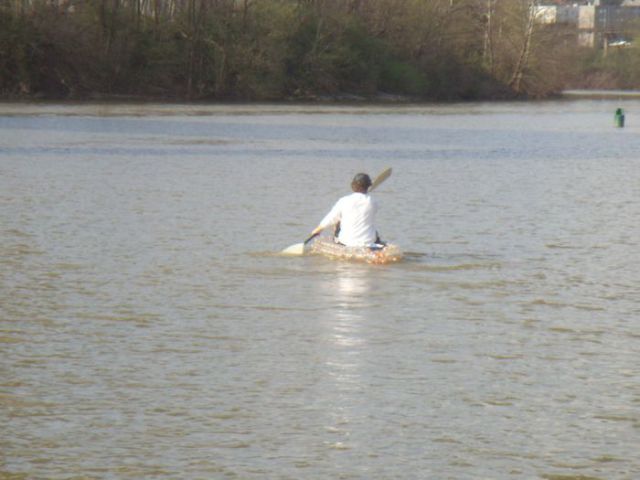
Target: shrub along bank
(271,50)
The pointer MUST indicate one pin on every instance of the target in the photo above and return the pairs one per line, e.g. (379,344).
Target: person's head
(361,183)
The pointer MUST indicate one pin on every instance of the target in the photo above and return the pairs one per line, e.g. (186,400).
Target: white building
(564,14)
(596,24)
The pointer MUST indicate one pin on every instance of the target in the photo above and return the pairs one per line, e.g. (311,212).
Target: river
(149,328)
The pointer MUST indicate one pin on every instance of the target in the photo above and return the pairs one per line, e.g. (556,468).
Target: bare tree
(525,51)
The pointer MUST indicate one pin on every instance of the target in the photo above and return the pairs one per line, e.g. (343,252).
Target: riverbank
(600,93)
(263,51)
(319,98)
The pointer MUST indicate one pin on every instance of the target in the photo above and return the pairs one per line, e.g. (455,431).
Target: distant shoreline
(338,98)
(601,93)
(335,99)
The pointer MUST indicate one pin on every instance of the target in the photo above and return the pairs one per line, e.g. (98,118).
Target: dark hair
(361,182)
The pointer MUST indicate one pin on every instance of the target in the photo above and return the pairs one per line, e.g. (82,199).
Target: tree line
(267,50)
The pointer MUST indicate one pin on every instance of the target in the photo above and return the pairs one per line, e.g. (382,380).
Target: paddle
(298,248)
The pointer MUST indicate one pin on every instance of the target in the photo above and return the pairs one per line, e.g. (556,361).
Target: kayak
(380,254)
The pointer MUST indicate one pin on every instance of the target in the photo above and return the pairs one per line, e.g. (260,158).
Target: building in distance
(599,23)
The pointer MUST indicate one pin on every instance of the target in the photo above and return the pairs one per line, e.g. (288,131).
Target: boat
(316,244)
(379,254)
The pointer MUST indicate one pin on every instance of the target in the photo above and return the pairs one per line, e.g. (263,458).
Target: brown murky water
(147,330)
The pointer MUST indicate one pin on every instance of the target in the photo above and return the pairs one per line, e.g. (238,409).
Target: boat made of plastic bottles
(377,254)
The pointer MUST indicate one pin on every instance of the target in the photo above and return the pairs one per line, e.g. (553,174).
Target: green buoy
(619,118)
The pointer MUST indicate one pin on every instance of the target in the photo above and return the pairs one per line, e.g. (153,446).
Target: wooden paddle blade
(380,178)
(297,249)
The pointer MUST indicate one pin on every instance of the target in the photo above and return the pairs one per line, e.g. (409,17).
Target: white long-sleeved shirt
(356,214)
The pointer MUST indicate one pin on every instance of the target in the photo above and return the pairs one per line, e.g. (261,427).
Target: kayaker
(355,215)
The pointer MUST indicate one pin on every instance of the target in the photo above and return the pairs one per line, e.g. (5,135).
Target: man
(355,214)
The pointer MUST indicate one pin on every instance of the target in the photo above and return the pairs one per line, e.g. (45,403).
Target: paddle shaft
(311,238)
